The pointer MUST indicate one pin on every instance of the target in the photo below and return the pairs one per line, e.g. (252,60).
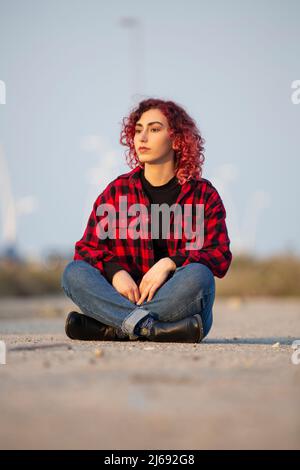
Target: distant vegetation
(277,276)
(247,276)
(29,278)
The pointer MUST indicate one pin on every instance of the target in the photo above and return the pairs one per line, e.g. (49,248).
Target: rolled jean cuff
(130,322)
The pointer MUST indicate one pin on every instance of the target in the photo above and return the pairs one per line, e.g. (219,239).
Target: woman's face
(151,131)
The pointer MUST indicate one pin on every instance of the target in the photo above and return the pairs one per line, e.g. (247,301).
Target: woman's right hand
(126,286)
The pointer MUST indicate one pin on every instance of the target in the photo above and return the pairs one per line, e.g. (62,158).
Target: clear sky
(73,69)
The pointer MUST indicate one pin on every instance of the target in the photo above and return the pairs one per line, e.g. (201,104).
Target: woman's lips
(143,149)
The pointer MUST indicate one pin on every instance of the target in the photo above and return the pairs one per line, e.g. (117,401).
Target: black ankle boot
(188,330)
(82,327)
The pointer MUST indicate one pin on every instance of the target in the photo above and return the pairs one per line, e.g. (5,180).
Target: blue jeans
(189,290)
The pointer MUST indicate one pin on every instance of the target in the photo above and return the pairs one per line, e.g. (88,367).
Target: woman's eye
(156,129)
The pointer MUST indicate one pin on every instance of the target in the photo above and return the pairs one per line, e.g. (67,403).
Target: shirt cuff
(110,269)
(178,260)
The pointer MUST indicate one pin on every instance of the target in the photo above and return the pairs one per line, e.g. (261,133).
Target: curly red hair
(188,142)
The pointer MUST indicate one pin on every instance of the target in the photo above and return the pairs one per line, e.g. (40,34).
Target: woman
(136,285)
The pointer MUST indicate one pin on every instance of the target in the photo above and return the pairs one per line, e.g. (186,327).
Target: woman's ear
(176,144)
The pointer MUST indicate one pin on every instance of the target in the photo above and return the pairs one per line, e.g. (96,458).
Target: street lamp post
(136,54)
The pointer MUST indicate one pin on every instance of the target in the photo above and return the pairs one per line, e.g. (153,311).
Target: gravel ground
(238,389)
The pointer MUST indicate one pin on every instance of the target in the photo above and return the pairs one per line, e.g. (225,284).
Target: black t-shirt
(166,193)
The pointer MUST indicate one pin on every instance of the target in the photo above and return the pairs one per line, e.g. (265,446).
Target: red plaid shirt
(137,256)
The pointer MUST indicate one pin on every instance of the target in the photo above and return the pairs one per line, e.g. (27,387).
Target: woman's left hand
(154,278)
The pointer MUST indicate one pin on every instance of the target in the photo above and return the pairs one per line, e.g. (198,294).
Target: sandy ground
(237,389)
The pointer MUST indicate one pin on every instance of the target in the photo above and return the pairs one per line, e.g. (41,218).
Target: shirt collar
(135,179)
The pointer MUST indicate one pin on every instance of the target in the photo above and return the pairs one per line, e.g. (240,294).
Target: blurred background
(71,70)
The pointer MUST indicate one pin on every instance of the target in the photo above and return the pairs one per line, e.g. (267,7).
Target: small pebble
(276,345)
(98,352)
